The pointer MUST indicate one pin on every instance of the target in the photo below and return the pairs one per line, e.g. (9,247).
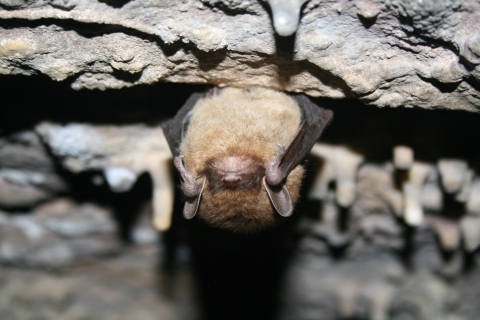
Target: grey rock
(76,221)
(123,287)
(384,53)
(24,243)
(27,172)
(57,235)
(20,195)
(122,153)
(24,150)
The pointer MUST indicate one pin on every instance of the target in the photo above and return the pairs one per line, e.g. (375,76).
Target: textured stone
(124,287)
(385,53)
(123,153)
(27,173)
(57,234)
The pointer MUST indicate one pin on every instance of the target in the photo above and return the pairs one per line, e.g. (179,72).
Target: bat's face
(230,140)
(235,197)
(236,172)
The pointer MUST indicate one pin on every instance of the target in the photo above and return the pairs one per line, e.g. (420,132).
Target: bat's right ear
(174,128)
(280,198)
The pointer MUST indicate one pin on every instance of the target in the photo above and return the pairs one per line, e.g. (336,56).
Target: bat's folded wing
(175,128)
(315,121)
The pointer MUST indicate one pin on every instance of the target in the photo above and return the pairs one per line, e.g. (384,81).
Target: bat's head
(236,172)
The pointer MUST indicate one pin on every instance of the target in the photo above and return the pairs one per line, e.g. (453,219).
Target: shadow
(327,78)
(285,46)
(48,100)
(209,60)
(229,11)
(452,208)
(117,4)
(286,67)
(87,30)
(238,276)
(443,87)
(367,22)
(175,237)
(406,254)
(473,83)
(127,76)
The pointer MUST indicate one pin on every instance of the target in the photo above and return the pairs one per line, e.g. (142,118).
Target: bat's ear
(190,187)
(191,205)
(280,198)
(175,127)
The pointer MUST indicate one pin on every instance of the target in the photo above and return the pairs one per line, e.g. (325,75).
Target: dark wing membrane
(174,128)
(315,121)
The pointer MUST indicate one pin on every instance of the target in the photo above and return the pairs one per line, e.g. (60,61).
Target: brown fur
(246,123)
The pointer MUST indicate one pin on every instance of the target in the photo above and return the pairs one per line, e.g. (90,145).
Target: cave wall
(389,226)
(385,53)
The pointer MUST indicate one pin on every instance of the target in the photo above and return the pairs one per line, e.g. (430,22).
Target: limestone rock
(384,53)
(123,153)
(27,172)
(57,234)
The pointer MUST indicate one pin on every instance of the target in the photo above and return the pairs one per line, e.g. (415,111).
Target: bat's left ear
(174,128)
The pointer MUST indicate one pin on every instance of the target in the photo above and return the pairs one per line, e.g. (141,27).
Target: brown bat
(229,147)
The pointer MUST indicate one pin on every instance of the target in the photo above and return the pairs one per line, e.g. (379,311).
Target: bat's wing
(315,121)
(174,128)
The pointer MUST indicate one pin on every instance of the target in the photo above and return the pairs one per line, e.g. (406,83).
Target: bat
(238,153)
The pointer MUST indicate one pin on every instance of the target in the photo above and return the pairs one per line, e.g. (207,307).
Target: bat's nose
(231,180)
(234,172)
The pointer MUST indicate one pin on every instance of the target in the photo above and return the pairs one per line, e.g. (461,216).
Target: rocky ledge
(384,53)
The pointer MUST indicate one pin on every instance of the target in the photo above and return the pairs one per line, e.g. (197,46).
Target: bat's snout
(231,180)
(234,172)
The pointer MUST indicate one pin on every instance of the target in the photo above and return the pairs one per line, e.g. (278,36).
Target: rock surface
(122,153)
(124,287)
(384,53)
(57,235)
(27,172)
